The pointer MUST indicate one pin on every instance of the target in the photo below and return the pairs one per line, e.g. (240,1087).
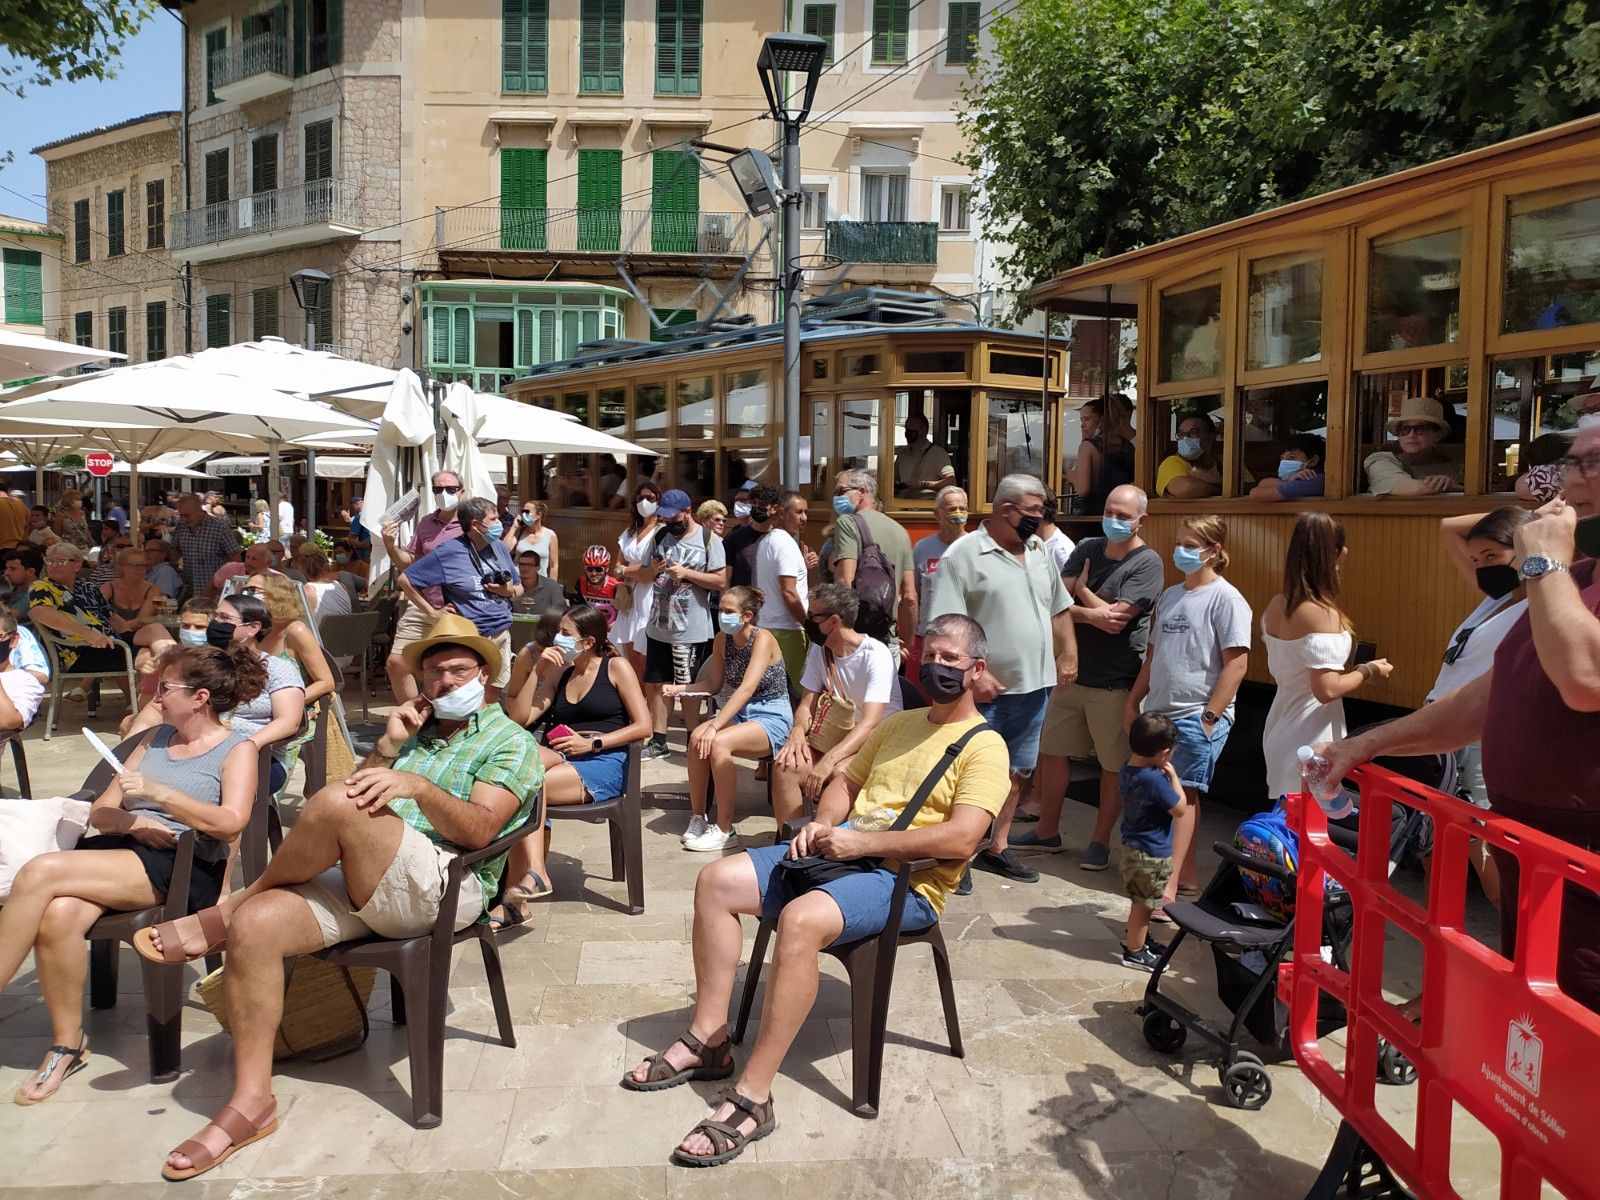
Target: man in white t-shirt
(780,574)
(285,521)
(841,664)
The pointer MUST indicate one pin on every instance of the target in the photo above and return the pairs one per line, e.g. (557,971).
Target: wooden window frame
(1573,182)
(1419,222)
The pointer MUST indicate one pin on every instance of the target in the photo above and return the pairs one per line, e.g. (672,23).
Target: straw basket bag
(324,1008)
(835,716)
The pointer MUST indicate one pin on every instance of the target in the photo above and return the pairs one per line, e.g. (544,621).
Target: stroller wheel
(1393,1067)
(1245,1083)
(1164,1033)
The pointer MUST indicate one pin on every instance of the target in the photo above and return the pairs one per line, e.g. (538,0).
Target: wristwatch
(599,745)
(1209,717)
(1536,566)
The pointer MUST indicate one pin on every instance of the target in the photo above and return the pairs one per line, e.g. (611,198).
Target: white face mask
(647,508)
(1589,421)
(448,501)
(461,703)
(741,510)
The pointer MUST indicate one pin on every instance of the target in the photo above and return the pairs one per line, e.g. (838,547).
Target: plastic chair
(59,675)
(625,814)
(419,974)
(869,963)
(19,759)
(349,636)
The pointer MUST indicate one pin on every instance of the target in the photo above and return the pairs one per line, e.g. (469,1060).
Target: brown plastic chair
(19,759)
(625,813)
(869,963)
(419,975)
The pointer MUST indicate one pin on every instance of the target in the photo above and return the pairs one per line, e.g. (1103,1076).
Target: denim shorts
(1018,717)
(1195,756)
(774,716)
(863,898)
(604,775)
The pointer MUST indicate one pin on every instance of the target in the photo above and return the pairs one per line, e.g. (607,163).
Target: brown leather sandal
(725,1135)
(716,1062)
(241,1131)
(212,927)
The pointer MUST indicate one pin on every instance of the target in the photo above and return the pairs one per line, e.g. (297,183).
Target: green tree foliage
(1103,125)
(51,40)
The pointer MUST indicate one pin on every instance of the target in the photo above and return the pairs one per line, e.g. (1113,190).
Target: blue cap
(674,504)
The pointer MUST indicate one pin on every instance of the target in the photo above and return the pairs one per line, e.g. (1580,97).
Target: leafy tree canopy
(1103,125)
(51,40)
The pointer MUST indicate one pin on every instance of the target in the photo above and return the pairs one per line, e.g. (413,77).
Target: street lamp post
(784,54)
(310,289)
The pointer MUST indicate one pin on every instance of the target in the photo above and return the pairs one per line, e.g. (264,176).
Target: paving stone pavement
(1058,1094)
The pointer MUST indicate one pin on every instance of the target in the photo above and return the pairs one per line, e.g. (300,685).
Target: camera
(495,575)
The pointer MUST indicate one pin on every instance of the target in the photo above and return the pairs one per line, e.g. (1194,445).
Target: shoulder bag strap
(951,753)
(832,673)
(865,531)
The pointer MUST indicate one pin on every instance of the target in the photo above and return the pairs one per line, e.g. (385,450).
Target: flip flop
(517,893)
(79,1059)
(172,952)
(241,1131)
(514,916)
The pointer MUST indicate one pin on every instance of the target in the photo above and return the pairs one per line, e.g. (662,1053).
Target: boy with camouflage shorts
(1151,796)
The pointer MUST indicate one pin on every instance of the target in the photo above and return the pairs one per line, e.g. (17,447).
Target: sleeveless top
(1297,718)
(600,709)
(774,683)
(539,543)
(198,778)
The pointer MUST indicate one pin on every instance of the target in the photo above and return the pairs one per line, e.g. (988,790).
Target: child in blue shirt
(1151,796)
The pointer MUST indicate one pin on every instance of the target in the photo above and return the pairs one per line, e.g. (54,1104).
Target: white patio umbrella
(26,354)
(403,457)
(507,427)
(463,454)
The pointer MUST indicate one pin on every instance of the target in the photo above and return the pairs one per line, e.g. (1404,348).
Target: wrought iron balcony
(912,242)
(318,211)
(560,231)
(251,69)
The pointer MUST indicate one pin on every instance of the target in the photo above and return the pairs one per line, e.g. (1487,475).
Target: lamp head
(791,54)
(307,285)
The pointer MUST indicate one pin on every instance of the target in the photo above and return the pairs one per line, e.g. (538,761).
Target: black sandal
(725,1135)
(524,895)
(716,1062)
(78,1059)
(513,917)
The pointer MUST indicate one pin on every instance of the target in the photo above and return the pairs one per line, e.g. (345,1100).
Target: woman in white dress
(1308,642)
(635,544)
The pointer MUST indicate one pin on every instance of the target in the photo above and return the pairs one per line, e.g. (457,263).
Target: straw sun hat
(453,630)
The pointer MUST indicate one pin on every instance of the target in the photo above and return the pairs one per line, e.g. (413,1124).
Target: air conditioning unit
(247,212)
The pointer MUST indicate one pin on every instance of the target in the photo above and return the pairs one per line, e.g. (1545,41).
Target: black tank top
(599,710)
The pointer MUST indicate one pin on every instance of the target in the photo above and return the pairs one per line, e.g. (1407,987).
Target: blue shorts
(774,716)
(604,775)
(1195,756)
(1018,717)
(863,898)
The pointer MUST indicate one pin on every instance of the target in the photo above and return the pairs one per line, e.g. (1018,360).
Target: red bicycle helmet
(597,556)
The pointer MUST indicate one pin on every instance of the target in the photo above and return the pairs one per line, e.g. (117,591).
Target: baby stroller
(1247,944)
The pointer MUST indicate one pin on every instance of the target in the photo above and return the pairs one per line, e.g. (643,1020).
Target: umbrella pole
(273,475)
(311,494)
(38,481)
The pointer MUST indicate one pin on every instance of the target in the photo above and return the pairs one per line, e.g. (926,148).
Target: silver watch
(1536,566)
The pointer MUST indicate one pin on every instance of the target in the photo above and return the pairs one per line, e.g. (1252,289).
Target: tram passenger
(1194,472)
(1105,456)
(923,467)
(1300,471)
(1419,466)
(1540,480)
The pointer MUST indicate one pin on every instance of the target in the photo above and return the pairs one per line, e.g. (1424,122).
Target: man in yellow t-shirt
(872,792)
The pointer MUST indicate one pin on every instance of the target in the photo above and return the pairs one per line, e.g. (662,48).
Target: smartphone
(1365,652)
(559,731)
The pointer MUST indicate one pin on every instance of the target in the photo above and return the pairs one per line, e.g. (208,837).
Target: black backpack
(875,585)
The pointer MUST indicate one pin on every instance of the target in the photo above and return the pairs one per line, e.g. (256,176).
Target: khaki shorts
(1145,876)
(1086,722)
(413,627)
(405,903)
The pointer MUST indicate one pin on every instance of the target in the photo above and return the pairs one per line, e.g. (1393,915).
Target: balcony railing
(255,67)
(593,230)
(915,242)
(319,203)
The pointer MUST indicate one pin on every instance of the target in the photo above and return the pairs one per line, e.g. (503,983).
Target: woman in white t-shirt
(529,532)
(842,665)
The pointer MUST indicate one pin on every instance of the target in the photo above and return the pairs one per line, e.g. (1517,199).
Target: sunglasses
(164,687)
(1415,427)
(446,491)
(1588,466)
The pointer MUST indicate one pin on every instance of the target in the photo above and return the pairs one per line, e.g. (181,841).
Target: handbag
(812,870)
(324,1008)
(835,716)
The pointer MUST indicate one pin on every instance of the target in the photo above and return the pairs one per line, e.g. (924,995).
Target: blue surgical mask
(1288,468)
(1187,559)
(842,505)
(1189,448)
(461,703)
(1116,529)
(496,531)
(192,637)
(567,645)
(729,622)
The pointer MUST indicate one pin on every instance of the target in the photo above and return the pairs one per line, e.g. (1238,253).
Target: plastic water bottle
(1329,792)
(877,820)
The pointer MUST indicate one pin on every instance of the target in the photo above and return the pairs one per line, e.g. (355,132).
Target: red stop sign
(99,463)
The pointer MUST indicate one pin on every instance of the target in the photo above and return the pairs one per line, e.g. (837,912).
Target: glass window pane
(822,459)
(566,479)
(934,362)
(1285,313)
(1414,291)
(1283,424)
(1534,419)
(739,463)
(612,412)
(1189,448)
(697,416)
(650,413)
(858,436)
(1016,437)
(695,471)
(576,404)
(1552,262)
(1403,447)
(939,456)
(748,405)
(855,366)
(1191,334)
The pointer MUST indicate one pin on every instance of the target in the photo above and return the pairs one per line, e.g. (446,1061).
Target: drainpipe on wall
(183,166)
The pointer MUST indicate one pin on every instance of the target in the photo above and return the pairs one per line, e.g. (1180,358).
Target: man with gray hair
(1001,577)
(1115,580)
(872,556)
(434,529)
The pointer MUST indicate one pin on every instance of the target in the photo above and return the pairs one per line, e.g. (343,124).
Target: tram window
(1191,334)
(855,366)
(696,408)
(611,414)
(566,480)
(695,471)
(1289,420)
(650,412)
(576,404)
(1410,431)
(545,401)
(611,482)
(1552,263)
(938,455)
(1414,291)
(1531,408)
(757,463)
(1285,318)
(819,368)
(858,435)
(934,362)
(1030,366)
(1016,436)
(747,405)
(1189,447)
(822,469)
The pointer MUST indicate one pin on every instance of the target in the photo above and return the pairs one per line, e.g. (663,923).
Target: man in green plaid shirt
(369,855)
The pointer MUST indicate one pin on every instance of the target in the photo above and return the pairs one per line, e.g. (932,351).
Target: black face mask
(219,633)
(1028,526)
(814,632)
(942,682)
(761,515)
(677,528)
(1587,536)
(1498,581)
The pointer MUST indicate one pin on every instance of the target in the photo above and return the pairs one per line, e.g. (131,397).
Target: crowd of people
(909,701)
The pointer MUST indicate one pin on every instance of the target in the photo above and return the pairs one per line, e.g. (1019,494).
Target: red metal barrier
(1497,1037)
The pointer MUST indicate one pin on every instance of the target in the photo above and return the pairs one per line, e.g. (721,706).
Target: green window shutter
(155,330)
(317,147)
(461,336)
(961,41)
(600,46)
(83,328)
(219,322)
(666,318)
(891,23)
(116,223)
(524,45)
(675,202)
(599,199)
(678,44)
(216,39)
(24,287)
(302,36)
(335,32)
(264,313)
(817,20)
(324,329)
(80,231)
(117,330)
(523,199)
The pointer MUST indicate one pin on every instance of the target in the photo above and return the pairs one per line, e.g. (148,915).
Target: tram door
(947,413)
